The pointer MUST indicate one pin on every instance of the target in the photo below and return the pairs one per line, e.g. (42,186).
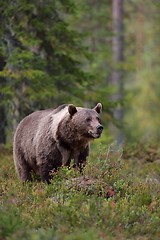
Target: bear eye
(88,119)
(99,120)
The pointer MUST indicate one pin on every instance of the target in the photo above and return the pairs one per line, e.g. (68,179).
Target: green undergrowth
(116,197)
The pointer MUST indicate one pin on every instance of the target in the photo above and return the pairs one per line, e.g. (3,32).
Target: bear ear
(98,108)
(72,109)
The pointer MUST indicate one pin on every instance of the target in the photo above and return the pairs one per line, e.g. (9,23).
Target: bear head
(86,121)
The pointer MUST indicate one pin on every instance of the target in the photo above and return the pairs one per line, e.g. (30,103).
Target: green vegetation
(117,196)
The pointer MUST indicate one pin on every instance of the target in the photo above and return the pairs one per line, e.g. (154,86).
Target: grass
(118,196)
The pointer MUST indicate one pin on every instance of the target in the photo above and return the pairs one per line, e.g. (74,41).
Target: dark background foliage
(54,52)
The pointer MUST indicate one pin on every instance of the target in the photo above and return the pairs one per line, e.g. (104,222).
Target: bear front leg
(49,162)
(44,172)
(80,159)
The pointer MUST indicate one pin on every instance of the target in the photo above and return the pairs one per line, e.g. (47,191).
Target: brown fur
(48,139)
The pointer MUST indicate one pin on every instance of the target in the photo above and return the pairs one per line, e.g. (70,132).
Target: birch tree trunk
(2,107)
(117,71)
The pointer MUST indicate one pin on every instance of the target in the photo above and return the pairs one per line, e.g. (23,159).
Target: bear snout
(99,128)
(96,132)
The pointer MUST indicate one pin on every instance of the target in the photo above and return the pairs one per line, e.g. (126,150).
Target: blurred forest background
(82,52)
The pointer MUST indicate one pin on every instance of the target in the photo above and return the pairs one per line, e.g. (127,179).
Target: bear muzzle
(100,128)
(97,133)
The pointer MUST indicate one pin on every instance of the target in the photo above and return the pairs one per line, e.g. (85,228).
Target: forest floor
(117,197)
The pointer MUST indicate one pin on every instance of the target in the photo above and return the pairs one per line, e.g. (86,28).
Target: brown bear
(48,139)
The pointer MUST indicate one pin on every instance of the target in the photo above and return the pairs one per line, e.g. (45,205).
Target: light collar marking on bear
(57,118)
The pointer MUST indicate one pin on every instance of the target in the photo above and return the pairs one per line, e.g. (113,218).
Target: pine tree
(43,57)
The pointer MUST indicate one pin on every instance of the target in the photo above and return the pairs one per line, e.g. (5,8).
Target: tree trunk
(2,107)
(117,71)
(12,113)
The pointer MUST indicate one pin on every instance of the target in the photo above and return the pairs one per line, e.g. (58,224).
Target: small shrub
(10,220)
